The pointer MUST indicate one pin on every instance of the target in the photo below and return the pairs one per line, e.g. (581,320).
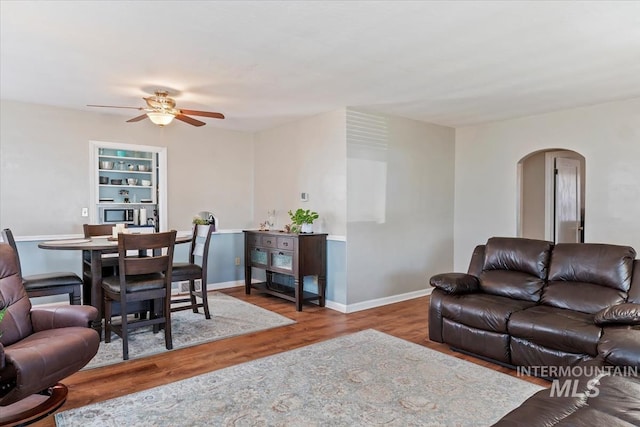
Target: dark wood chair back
(142,281)
(93,230)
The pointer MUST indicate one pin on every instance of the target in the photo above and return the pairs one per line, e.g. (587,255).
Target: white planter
(306,228)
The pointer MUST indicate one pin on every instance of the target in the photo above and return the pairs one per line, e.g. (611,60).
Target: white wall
(44,167)
(486,157)
(533,196)
(308,155)
(410,170)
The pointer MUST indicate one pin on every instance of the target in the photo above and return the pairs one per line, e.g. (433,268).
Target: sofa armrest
(621,314)
(62,316)
(455,283)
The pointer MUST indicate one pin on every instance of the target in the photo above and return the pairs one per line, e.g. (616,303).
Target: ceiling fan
(161,110)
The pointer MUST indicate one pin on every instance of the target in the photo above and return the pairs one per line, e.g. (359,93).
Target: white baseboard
(378,302)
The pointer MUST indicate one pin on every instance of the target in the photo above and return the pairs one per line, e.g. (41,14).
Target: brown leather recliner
(38,346)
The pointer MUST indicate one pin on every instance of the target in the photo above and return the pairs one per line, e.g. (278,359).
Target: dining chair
(109,260)
(140,280)
(192,271)
(47,284)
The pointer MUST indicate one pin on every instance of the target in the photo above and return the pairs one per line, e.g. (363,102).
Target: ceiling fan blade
(137,119)
(203,113)
(114,106)
(190,120)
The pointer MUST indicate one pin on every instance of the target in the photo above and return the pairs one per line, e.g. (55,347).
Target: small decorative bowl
(145,182)
(143,168)
(116,182)
(104,180)
(132,181)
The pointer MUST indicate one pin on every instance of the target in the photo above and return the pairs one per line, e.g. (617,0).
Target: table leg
(96,288)
(322,289)
(298,285)
(247,279)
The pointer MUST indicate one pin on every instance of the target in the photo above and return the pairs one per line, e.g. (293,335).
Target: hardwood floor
(406,320)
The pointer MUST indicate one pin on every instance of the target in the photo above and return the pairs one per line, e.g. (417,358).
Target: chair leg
(106,309)
(205,300)
(153,313)
(124,330)
(74,296)
(192,295)
(167,324)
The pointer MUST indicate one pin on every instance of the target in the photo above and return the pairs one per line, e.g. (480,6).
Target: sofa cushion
(517,254)
(515,268)
(482,311)
(588,277)
(580,296)
(511,284)
(604,265)
(556,328)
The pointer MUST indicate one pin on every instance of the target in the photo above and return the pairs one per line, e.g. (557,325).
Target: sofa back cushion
(16,323)
(515,267)
(634,289)
(588,277)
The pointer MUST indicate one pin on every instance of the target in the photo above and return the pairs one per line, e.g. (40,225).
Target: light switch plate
(304,197)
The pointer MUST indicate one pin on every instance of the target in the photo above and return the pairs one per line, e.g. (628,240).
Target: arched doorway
(551,202)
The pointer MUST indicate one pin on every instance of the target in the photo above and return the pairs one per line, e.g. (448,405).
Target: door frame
(549,189)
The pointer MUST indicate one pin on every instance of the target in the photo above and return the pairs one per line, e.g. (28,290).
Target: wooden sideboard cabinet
(295,255)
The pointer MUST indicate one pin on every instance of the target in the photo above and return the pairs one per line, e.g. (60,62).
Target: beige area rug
(363,379)
(230,317)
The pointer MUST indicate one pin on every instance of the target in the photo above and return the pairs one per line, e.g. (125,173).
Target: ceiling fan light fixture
(160,118)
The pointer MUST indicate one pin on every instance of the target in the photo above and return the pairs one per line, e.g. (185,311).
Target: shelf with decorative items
(125,177)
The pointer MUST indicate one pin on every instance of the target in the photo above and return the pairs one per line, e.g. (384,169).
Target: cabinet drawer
(285,243)
(269,241)
(253,239)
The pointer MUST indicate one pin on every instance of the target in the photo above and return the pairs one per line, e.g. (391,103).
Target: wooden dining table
(93,249)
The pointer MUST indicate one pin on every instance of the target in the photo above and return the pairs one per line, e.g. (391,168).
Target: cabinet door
(281,261)
(259,257)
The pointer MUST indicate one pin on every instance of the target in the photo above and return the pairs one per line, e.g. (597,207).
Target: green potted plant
(201,225)
(200,221)
(302,220)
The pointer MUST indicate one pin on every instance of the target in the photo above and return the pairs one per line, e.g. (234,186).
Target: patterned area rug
(364,379)
(229,317)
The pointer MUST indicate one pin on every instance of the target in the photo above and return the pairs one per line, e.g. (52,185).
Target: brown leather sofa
(38,346)
(529,302)
(601,392)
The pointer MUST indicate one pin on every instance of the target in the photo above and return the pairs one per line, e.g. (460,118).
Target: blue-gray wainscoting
(225,247)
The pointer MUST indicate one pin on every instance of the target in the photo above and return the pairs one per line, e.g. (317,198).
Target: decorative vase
(306,228)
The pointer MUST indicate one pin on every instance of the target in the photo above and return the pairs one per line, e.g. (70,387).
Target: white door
(567,221)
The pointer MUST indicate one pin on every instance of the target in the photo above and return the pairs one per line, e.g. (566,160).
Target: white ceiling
(267,63)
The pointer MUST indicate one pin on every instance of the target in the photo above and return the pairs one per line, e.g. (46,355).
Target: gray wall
(45,167)
(486,188)
(404,232)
